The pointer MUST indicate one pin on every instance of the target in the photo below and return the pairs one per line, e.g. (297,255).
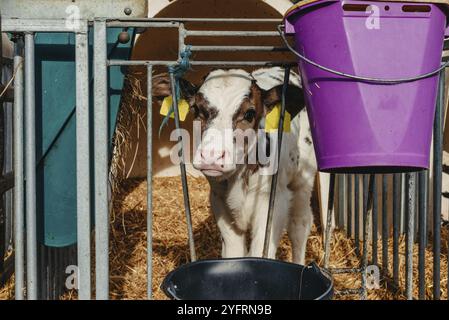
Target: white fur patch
(225,91)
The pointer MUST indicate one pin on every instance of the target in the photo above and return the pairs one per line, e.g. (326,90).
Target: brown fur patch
(203,111)
(253,101)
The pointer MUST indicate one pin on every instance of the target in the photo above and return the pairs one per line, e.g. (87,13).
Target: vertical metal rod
(422,233)
(349,205)
(375,223)
(357,214)
(274,178)
(19,211)
(30,169)
(101,162)
(365,201)
(411,207)
(341,200)
(396,222)
(437,181)
(385,233)
(149,181)
(182,166)
(330,211)
(83,165)
(370,190)
(182,33)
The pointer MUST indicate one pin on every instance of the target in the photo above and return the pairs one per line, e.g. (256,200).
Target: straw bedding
(128,244)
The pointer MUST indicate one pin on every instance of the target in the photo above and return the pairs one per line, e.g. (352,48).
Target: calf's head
(229,105)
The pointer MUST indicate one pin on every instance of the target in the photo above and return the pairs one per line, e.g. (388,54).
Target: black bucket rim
(325,272)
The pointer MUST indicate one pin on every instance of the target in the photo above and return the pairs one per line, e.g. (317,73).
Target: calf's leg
(259,222)
(233,239)
(301,219)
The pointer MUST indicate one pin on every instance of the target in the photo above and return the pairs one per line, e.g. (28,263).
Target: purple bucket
(361,126)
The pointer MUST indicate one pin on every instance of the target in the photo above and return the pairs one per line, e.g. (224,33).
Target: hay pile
(132,114)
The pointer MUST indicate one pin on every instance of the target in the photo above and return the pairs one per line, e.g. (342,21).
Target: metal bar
(53,25)
(330,211)
(35,25)
(101,162)
(182,19)
(197,63)
(356,214)
(422,233)
(30,169)
(437,181)
(411,207)
(83,165)
(375,221)
(365,201)
(149,181)
(19,212)
(3,214)
(274,178)
(142,24)
(239,48)
(349,205)
(367,213)
(8,172)
(181,40)
(385,230)
(183,173)
(243,63)
(210,33)
(341,201)
(167,63)
(396,222)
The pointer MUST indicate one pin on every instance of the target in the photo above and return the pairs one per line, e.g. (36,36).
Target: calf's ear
(162,88)
(294,100)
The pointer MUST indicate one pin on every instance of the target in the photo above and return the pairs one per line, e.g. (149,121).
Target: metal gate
(25,240)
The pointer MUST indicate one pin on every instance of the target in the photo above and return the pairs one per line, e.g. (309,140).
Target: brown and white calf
(228,104)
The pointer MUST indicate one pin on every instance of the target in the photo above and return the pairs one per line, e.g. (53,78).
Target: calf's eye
(249,115)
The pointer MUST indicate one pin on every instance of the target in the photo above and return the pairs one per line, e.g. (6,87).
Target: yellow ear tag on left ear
(272,119)
(183,107)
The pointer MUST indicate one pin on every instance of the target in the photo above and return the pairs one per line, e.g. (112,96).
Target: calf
(229,103)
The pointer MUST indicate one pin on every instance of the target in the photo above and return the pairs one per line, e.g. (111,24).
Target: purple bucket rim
(298,7)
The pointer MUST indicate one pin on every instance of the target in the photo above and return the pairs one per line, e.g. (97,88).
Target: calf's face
(229,106)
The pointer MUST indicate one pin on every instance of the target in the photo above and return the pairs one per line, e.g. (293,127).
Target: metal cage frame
(25,162)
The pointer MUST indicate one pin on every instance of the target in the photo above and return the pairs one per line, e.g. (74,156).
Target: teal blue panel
(55,129)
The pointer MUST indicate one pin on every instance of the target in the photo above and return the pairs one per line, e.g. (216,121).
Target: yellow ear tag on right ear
(272,119)
(183,107)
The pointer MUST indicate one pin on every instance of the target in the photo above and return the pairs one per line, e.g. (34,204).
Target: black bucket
(248,279)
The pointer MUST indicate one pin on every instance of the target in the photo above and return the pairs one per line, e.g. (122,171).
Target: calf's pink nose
(212,155)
